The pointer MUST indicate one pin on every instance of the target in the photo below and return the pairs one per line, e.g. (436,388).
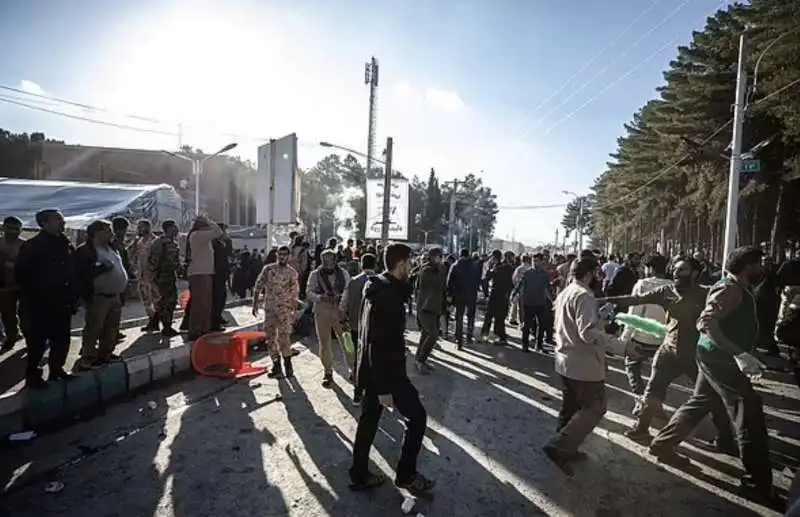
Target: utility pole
(555,242)
(451,232)
(579,226)
(732,212)
(387,193)
(371,79)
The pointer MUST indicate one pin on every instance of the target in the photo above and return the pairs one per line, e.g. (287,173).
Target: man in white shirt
(580,360)
(610,269)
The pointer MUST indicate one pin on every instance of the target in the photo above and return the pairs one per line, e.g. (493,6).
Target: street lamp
(197,169)
(351,151)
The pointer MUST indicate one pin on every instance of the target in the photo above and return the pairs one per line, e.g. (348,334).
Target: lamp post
(197,169)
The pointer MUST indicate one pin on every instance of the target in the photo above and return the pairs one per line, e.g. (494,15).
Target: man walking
(325,289)
(381,373)
(580,360)
(516,278)
(534,293)
(280,284)
(500,276)
(351,305)
(728,334)
(684,302)
(430,305)
(463,283)
(102,280)
(45,274)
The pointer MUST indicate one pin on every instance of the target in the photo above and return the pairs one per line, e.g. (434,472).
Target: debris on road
(24,436)
(54,487)
(152,405)
(408,505)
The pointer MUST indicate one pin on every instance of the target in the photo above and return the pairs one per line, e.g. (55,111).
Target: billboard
(398,209)
(286,183)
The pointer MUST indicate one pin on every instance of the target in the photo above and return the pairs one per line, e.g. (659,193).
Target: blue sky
(466,85)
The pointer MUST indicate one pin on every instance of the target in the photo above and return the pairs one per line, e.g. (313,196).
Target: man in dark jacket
(626,277)
(463,283)
(223,250)
(501,277)
(45,275)
(535,294)
(430,305)
(381,373)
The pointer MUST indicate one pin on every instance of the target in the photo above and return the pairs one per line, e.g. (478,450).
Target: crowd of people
(714,322)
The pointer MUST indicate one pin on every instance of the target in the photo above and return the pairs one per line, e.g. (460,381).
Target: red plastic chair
(224,355)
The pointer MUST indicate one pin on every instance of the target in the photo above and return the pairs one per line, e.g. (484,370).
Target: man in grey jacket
(580,360)
(350,307)
(430,298)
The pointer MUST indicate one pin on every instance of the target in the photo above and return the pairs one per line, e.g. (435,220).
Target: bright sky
(532,92)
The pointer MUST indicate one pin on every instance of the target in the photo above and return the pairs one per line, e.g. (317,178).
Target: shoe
(287,367)
(84,365)
(277,371)
(120,337)
(357,398)
(110,358)
(559,459)
(669,457)
(7,346)
(35,383)
(638,435)
(170,332)
(152,325)
(366,482)
(327,381)
(418,484)
(60,374)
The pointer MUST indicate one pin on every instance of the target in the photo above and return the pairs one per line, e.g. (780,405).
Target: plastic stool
(224,354)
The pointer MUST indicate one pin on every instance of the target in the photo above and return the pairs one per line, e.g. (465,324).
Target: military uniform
(144,285)
(164,262)
(281,286)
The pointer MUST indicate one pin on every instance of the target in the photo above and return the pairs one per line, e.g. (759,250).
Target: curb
(142,320)
(37,409)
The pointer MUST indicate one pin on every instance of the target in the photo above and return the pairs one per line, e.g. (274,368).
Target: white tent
(82,203)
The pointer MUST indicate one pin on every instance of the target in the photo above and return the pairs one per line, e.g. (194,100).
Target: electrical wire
(676,163)
(530,207)
(612,63)
(589,63)
(609,86)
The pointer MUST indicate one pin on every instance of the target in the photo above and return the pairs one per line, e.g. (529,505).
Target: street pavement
(264,447)
(12,364)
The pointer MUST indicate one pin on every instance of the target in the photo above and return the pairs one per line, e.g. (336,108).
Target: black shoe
(561,460)
(641,436)
(287,367)
(152,325)
(35,383)
(327,381)
(60,374)
(358,396)
(120,337)
(8,345)
(170,332)
(276,372)
(670,457)
(366,482)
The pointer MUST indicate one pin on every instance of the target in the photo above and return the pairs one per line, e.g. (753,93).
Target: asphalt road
(267,448)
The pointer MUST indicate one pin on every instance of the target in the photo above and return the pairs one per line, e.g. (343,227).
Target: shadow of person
(12,369)
(324,450)
(216,461)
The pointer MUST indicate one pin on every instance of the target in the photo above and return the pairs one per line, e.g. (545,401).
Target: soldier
(140,252)
(280,282)
(164,262)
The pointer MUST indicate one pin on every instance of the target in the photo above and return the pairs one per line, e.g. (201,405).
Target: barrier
(224,355)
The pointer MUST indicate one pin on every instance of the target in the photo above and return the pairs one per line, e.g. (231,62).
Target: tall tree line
(335,182)
(669,174)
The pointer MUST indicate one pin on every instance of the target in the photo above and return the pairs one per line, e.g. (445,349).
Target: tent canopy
(81,203)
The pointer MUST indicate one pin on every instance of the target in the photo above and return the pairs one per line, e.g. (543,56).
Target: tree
(667,181)
(21,154)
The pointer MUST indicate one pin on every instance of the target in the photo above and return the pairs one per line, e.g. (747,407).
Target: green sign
(751,165)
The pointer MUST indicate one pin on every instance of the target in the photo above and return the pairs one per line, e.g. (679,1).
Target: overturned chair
(224,355)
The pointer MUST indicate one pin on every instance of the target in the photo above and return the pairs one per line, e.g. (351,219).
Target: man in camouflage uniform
(139,251)
(281,286)
(164,262)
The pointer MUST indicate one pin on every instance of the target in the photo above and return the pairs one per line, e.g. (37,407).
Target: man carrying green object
(683,302)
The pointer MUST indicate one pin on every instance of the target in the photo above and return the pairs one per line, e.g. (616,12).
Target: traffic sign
(751,165)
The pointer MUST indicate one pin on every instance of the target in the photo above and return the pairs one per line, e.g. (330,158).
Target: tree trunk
(773,236)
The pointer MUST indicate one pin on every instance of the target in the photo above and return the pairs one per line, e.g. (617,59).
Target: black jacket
(45,272)
(464,280)
(502,280)
(430,289)
(381,358)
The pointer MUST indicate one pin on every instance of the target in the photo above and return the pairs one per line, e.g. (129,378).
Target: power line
(530,207)
(586,65)
(608,87)
(87,119)
(612,63)
(667,169)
